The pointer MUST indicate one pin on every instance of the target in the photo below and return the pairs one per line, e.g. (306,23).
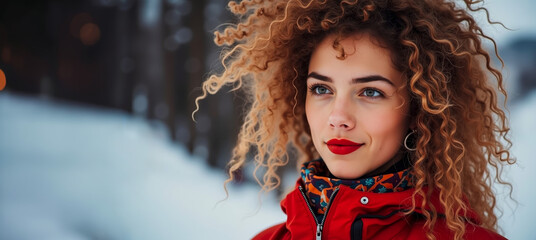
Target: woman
(389,106)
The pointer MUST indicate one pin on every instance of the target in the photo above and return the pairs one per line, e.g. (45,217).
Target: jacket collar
(319,184)
(349,204)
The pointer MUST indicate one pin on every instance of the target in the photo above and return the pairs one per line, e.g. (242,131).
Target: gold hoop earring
(406,141)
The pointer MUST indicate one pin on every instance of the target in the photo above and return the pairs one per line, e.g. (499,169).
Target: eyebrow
(364,79)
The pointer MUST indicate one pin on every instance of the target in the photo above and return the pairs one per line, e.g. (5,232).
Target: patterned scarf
(320,188)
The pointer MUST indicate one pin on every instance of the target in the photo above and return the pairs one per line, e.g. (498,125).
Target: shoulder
(477,232)
(441,231)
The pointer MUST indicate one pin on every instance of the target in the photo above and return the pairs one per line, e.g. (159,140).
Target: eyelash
(381,95)
(314,87)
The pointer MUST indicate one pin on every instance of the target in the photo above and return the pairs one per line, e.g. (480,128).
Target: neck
(398,163)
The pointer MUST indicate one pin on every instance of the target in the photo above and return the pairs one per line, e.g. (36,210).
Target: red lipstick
(342,146)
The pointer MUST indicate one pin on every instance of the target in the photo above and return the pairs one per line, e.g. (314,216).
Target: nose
(340,117)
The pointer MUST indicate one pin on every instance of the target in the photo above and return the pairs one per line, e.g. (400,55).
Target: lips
(342,146)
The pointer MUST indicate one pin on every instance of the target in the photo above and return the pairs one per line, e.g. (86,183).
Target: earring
(406,141)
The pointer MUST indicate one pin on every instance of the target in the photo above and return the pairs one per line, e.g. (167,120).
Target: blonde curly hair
(462,143)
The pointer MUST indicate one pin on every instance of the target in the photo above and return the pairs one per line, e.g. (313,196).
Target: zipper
(319,226)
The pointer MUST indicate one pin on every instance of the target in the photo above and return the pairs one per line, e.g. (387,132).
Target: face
(356,108)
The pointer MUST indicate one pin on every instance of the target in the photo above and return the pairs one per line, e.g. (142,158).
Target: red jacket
(355,214)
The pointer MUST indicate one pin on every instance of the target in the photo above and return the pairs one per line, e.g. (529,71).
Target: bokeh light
(89,34)
(78,21)
(2,80)
(83,27)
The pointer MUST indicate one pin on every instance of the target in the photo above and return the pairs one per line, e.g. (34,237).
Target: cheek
(314,117)
(387,125)
(310,115)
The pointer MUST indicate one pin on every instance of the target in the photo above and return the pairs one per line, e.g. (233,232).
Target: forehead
(361,56)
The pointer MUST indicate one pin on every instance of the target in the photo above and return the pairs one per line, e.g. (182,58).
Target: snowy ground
(73,172)
(518,220)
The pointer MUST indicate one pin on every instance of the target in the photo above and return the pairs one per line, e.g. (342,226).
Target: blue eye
(373,93)
(320,90)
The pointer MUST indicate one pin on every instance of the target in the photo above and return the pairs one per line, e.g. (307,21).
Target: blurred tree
(521,69)
(145,57)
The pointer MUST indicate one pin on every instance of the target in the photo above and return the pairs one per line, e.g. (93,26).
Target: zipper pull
(318,232)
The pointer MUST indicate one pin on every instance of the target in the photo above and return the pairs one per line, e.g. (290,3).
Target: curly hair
(462,143)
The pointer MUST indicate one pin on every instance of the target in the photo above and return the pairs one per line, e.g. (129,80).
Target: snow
(76,172)
(518,218)
(71,172)
(519,17)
